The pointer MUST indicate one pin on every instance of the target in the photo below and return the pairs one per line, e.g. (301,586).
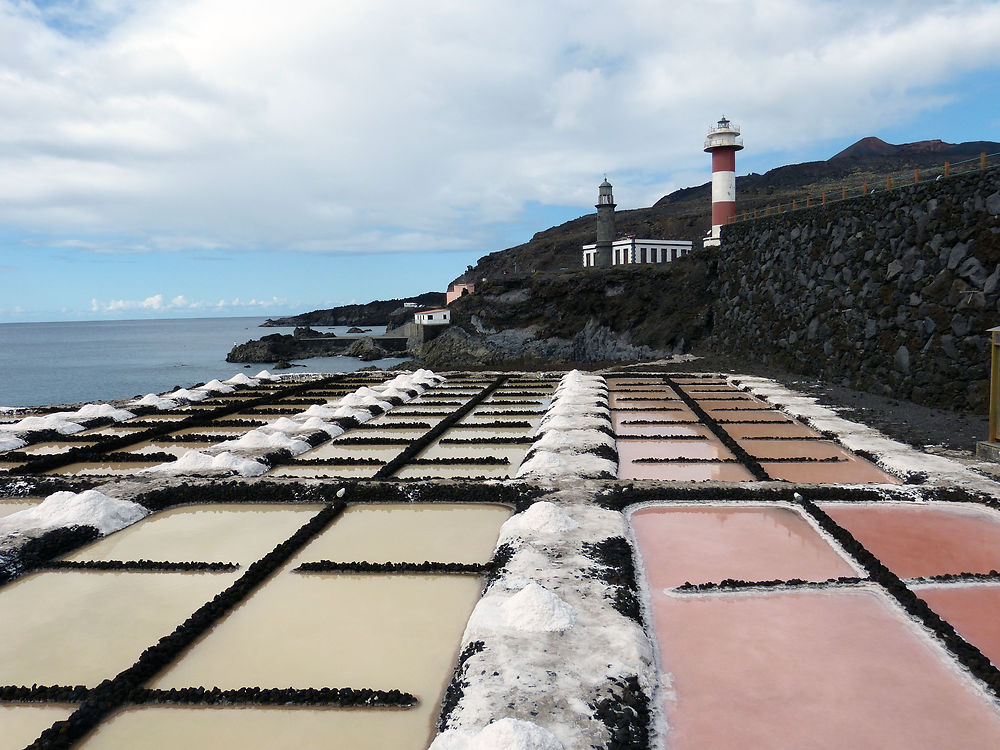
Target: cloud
(180,303)
(364,127)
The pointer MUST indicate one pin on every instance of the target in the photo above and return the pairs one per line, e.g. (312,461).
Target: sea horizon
(69,362)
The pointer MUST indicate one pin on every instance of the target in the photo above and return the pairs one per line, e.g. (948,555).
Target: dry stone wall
(890,293)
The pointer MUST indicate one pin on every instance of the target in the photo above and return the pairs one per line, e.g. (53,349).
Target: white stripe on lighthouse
(723,187)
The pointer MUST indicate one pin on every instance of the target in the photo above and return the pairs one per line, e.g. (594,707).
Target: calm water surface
(46,363)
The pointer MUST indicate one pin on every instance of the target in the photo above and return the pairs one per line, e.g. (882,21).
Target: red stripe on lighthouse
(724,160)
(723,212)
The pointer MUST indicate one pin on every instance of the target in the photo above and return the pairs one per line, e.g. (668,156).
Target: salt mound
(541,518)
(315,423)
(194,462)
(257,440)
(216,386)
(156,401)
(535,609)
(503,734)
(264,375)
(58,422)
(93,411)
(89,508)
(195,395)
(241,379)
(10,443)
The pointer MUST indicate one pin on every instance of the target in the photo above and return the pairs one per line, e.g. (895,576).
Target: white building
(437,317)
(629,251)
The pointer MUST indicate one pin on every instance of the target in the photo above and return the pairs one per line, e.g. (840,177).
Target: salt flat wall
(890,293)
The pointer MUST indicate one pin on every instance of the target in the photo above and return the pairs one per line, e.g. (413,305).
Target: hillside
(376,313)
(686,214)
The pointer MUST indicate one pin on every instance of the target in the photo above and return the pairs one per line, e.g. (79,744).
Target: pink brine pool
(834,669)
(974,611)
(711,543)
(924,540)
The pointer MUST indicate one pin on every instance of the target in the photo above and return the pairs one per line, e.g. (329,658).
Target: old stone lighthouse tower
(605,224)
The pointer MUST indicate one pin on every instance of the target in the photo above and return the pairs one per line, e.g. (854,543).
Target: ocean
(64,363)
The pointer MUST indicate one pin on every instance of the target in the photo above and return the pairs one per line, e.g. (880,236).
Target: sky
(185,158)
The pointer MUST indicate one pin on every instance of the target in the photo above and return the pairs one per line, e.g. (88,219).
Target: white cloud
(180,303)
(228,124)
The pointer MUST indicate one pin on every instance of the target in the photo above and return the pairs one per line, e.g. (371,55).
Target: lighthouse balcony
(728,137)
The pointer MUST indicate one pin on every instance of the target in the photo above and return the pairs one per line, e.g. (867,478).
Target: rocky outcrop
(512,347)
(278,346)
(366,349)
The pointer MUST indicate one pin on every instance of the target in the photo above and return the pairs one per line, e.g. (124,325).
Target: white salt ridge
(196,462)
(67,422)
(57,422)
(573,428)
(264,375)
(553,676)
(567,465)
(572,440)
(216,386)
(503,734)
(88,508)
(542,518)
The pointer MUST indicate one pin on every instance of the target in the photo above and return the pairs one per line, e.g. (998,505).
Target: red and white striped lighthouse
(722,143)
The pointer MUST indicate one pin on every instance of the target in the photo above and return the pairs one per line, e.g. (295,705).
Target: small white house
(629,250)
(438,317)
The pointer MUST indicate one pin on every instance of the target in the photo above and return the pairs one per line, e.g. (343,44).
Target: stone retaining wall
(890,293)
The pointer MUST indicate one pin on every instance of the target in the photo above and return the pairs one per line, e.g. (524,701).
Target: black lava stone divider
(616,567)
(257,696)
(421,443)
(158,566)
(620,496)
(735,584)
(750,463)
(966,654)
(37,552)
(328,566)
